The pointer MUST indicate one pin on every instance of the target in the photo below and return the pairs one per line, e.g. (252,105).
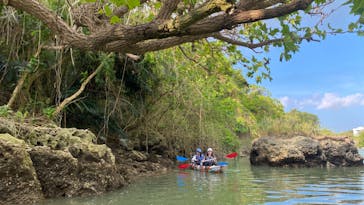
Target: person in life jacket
(210,158)
(197,158)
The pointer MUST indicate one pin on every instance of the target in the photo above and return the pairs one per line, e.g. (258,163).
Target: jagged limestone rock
(304,151)
(18,179)
(51,162)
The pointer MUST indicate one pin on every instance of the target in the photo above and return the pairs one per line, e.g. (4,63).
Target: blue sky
(324,78)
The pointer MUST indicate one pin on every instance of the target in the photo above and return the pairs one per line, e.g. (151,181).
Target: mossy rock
(57,171)
(92,153)
(7,126)
(66,161)
(18,179)
(54,137)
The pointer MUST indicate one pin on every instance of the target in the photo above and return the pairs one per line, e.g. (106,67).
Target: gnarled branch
(164,31)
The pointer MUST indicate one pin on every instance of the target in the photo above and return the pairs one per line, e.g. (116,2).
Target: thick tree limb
(153,30)
(164,31)
(206,9)
(157,44)
(257,4)
(205,26)
(226,21)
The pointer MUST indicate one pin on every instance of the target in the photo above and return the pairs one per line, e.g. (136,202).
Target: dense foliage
(360,140)
(166,101)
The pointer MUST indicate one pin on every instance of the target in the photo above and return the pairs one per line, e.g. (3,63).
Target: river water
(239,184)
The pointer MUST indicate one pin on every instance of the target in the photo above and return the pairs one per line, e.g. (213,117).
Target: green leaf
(118,2)
(361,33)
(274,31)
(133,3)
(352,26)
(190,2)
(319,2)
(114,20)
(108,11)
(150,17)
(361,19)
(157,5)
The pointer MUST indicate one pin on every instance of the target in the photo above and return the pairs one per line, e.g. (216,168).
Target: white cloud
(330,100)
(309,102)
(285,101)
(325,101)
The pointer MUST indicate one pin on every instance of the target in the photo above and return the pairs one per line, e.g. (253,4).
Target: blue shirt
(198,158)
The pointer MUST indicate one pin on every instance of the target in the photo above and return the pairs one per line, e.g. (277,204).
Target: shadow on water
(239,184)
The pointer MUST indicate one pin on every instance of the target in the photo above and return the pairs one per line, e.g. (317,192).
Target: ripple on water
(240,184)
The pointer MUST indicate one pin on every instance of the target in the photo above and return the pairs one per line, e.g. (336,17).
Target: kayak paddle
(223,164)
(183,166)
(181,159)
(232,155)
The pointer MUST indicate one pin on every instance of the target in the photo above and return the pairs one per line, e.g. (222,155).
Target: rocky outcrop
(18,179)
(305,151)
(133,164)
(49,161)
(340,151)
(62,174)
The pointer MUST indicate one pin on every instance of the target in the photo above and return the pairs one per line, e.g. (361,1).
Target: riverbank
(41,160)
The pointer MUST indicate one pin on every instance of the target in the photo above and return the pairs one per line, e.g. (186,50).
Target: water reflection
(181,178)
(311,185)
(239,184)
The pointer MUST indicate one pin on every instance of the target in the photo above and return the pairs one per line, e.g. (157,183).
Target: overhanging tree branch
(254,45)
(154,44)
(226,21)
(195,15)
(164,31)
(254,4)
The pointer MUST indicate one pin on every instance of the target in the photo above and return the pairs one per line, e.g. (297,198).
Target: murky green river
(239,184)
